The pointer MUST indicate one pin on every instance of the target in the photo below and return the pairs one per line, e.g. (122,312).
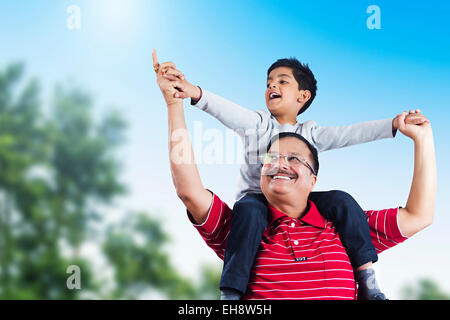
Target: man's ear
(314,181)
(304,96)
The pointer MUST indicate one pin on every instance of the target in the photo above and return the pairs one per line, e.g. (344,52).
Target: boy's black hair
(309,145)
(302,74)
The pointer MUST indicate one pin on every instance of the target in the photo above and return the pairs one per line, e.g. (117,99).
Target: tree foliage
(58,167)
(425,289)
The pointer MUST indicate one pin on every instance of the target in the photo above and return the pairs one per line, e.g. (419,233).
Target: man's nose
(282,163)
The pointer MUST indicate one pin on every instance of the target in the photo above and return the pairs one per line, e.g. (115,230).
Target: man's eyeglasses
(292,159)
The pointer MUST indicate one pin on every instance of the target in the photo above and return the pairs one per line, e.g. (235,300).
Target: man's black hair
(311,148)
(302,74)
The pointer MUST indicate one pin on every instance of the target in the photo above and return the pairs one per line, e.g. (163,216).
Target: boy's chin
(274,108)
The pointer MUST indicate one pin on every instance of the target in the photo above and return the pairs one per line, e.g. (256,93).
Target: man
(300,256)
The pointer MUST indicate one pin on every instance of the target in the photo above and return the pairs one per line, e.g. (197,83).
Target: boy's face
(282,94)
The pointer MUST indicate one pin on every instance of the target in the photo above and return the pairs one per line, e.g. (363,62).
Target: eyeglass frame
(285,156)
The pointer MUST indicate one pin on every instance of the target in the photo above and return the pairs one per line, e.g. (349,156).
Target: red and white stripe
(326,273)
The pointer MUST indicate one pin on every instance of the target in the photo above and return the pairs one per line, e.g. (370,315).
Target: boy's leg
(350,222)
(248,222)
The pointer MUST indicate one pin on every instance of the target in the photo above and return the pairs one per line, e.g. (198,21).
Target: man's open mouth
(283,177)
(276,174)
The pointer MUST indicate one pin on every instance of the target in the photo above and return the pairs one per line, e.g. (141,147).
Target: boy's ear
(305,95)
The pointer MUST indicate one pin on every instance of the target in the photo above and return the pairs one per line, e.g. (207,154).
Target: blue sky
(226,47)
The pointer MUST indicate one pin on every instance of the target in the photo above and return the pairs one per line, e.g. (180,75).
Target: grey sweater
(256,128)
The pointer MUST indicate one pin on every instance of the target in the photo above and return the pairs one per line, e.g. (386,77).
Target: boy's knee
(250,211)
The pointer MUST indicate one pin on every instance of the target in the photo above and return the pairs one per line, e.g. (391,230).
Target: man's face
(283,179)
(282,93)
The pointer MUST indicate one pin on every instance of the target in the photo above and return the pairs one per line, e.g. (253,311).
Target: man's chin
(281,187)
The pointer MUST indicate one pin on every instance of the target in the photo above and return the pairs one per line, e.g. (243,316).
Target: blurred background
(84,169)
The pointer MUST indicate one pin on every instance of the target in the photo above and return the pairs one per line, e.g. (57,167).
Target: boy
(291,88)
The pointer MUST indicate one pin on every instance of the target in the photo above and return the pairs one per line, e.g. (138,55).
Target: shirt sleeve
(233,116)
(384,229)
(327,138)
(215,229)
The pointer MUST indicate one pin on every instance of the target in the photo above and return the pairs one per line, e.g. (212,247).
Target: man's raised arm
(419,210)
(185,175)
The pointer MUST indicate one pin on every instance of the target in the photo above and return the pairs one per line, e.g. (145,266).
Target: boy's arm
(327,138)
(230,114)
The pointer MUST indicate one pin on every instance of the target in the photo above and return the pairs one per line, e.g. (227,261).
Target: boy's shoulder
(308,124)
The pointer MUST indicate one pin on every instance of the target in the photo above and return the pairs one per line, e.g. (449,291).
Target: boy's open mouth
(274,95)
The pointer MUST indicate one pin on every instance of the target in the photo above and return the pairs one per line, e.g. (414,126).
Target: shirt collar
(312,216)
(284,125)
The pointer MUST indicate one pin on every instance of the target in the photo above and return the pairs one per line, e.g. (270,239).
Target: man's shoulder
(218,211)
(384,229)
(215,229)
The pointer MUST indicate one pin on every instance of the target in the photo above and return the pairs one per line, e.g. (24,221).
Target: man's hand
(413,125)
(169,88)
(169,72)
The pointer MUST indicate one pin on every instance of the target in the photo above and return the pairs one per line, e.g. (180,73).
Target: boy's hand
(168,88)
(189,90)
(414,117)
(413,125)
(170,72)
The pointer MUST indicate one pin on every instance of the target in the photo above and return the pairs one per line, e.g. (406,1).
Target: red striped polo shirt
(300,258)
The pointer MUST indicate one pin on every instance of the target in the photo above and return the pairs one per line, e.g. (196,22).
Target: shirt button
(293,224)
(296,242)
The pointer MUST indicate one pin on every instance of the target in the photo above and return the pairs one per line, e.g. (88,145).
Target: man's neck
(294,209)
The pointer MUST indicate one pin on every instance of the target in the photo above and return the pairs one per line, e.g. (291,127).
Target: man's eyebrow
(280,75)
(296,154)
(291,153)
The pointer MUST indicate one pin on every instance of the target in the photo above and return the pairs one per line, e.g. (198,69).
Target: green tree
(425,289)
(56,165)
(21,148)
(208,289)
(135,247)
(82,162)
(58,172)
